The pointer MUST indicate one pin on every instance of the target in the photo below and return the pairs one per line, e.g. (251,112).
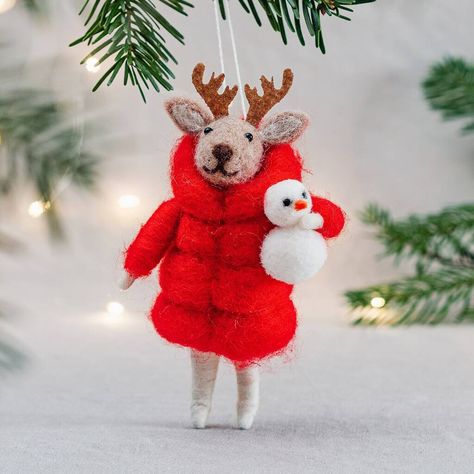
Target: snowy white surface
(102,397)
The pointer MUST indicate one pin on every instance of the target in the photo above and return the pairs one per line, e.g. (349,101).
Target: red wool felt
(153,240)
(216,297)
(333,216)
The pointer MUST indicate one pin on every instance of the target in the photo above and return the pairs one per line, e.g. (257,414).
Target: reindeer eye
(249,136)
(304,194)
(286,202)
(207,130)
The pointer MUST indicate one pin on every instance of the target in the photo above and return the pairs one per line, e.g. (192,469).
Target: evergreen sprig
(11,358)
(296,15)
(36,7)
(40,142)
(449,89)
(132,34)
(442,248)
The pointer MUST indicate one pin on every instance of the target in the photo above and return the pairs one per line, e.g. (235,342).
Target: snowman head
(286,202)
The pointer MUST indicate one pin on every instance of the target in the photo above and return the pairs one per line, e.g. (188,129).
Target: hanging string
(219,38)
(236,61)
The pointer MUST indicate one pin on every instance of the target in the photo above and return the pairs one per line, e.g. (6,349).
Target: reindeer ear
(284,127)
(188,115)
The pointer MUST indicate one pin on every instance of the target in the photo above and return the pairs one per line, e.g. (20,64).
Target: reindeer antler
(260,105)
(217,103)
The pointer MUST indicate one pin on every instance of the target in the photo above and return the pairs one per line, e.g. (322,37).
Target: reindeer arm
(153,240)
(332,214)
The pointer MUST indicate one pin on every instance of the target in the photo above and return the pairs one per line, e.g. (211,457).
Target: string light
(128,201)
(115,309)
(92,64)
(377,302)
(38,208)
(6,5)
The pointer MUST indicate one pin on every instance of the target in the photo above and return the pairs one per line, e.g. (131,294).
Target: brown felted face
(230,150)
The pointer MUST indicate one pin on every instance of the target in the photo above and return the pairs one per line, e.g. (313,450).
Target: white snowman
(292,252)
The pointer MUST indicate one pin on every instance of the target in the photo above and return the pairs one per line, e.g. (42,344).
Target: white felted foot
(248,385)
(204,367)
(199,414)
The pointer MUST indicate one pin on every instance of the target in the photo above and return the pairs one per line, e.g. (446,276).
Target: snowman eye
(304,194)
(249,136)
(286,202)
(207,130)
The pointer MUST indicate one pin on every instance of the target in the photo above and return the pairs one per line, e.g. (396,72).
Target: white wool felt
(311,221)
(284,127)
(204,372)
(188,115)
(248,389)
(274,202)
(292,252)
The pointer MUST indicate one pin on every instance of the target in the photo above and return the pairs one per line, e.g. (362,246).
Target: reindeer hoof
(199,416)
(245,417)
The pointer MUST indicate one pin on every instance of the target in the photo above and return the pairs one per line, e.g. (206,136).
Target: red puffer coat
(215,296)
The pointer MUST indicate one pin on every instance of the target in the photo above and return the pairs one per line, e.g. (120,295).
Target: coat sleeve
(332,214)
(153,240)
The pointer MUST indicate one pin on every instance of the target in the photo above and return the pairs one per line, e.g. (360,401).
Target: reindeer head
(230,150)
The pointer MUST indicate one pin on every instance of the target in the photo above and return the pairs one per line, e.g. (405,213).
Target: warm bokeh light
(377,302)
(114,308)
(128,201)
(115,313)
(38,208)
(92,64)
(6,5)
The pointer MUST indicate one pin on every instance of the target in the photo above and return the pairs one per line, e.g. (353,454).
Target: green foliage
(35,6)
(132,33)
(293,15)
(449,89)
(39,142)
(10,357)
(441,246)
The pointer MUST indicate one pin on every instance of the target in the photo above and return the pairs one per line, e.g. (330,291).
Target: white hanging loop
(234,51)
(219,39)
(236,62)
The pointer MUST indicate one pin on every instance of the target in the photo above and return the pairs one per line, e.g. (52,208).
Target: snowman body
(292,254)
(293,251)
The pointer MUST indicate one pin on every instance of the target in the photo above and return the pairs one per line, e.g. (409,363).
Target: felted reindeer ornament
(216,298)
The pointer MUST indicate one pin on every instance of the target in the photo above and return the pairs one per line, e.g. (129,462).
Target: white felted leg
(204,367)
(248,386)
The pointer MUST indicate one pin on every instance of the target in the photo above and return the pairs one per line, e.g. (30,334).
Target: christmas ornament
(292,252)
(216,297)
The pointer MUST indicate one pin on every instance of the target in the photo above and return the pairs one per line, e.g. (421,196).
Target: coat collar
(205,201)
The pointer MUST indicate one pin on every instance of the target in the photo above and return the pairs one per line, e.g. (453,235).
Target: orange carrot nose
(300,204)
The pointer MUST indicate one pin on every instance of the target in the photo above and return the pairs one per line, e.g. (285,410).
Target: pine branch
(449,89)
(130,35)
(293,15)
(424,298)
(442,247)
(10,357)
(130,32)
(36,7)
(446,237)
(40,142)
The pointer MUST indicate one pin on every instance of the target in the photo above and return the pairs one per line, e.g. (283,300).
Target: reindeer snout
(222,153)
